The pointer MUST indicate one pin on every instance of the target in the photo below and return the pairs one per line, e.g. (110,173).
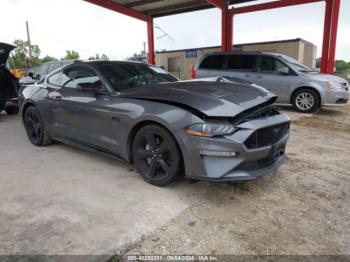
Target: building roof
(158,8)
(239,45)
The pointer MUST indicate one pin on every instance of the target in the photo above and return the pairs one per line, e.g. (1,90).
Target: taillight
(193,74)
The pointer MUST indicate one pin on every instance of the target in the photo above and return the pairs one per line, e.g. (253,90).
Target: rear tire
(306,101)
(35,127)
(156,155)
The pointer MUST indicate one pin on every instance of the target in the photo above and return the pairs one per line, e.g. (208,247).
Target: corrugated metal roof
(157,8)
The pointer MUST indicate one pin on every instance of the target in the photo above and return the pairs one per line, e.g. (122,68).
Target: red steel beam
(218,3)
(150,35)
(333,36)
(326,35)
(271,5)
(119,8)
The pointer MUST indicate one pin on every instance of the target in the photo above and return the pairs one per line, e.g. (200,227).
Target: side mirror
(89,87)
(30,74)
(284,70)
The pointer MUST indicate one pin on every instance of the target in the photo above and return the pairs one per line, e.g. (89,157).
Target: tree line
(20,56)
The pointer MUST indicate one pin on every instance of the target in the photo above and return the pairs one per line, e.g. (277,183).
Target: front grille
(267,136)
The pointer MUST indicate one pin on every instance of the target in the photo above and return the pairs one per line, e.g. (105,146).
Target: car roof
(61,61)
(106,62)
(243,53)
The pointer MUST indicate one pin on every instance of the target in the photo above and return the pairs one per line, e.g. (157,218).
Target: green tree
(99,57)
(47,58)
(71,55)
(142,56)
(341,65)
(21,54)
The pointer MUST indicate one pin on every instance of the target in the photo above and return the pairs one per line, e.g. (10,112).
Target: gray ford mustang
(214,129)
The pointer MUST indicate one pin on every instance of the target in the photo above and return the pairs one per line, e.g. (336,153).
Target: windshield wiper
(307,71)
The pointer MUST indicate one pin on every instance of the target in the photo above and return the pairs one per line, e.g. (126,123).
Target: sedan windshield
(124,76)
(295,63)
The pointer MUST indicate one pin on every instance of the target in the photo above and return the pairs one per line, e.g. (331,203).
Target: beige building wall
(181,66)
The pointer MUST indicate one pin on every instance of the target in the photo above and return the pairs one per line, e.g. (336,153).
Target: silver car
(291,81)
(214,130)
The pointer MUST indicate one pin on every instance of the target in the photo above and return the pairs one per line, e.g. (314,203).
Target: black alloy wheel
(156,155)
(35,128)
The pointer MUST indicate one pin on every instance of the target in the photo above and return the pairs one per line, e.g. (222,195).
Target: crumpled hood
(219,99)
(5,50)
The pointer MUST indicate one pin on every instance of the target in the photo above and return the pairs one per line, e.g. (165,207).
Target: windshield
(295,63)
(124,76)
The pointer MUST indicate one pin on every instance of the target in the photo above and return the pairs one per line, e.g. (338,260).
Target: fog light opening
(218,153)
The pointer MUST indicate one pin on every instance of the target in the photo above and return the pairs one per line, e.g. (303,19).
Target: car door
(240,65)
(79,114)
(269,75)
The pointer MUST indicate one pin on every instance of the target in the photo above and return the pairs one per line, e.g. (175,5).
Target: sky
(60,25)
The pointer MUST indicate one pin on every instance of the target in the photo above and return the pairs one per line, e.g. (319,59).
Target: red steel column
(150,35)
(326,35)
(230,31)
(226,29)
(333,36)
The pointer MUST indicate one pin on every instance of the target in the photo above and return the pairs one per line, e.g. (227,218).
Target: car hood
(5,50)
(326,77)
(214,99)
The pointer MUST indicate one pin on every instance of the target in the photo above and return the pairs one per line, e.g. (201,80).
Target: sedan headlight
(210,129)
(334,85)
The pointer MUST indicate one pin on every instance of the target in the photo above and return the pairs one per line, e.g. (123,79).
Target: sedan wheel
(35,128)
(306,101)
(156,155)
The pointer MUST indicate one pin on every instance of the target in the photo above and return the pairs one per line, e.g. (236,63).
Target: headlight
(210,129)
(334,85)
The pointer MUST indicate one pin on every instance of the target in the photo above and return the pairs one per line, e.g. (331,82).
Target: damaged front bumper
(257,148)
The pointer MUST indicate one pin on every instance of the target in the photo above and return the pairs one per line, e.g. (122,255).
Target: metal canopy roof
(146,10)
(158,8)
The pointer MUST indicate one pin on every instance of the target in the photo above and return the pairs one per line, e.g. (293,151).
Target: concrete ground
(61,200)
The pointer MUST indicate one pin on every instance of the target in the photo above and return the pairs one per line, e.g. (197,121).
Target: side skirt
(89,148)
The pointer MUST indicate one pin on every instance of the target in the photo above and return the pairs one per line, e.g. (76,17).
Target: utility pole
(144,49)
(29,43)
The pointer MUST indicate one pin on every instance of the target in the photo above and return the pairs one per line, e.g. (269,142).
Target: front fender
(125,126)
(307,84)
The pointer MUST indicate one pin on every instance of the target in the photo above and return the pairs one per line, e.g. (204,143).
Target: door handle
(55,96)
(259,76)
(247,75)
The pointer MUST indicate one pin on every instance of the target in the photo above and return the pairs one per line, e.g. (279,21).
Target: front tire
(35,127)
(306,101)
(156,155)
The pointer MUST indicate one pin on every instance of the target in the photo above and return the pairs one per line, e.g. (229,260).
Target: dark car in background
(208,130)
(9,85)
(37,73)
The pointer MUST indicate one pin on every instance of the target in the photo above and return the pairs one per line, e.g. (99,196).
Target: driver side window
(270,64)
